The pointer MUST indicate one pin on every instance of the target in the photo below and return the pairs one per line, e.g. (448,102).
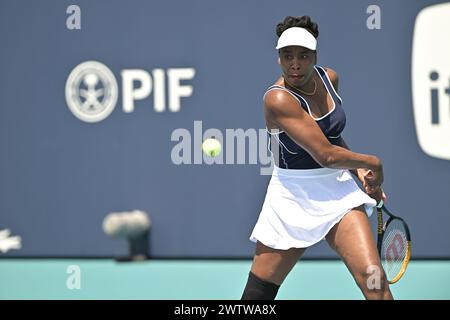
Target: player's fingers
(368,173)
(371,186)
(373,179)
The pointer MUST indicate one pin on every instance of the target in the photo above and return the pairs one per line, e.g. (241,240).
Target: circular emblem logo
(91,91)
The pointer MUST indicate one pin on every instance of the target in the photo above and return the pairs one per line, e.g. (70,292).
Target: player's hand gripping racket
(394,244)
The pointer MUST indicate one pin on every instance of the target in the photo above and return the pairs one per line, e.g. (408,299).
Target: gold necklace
(304,92)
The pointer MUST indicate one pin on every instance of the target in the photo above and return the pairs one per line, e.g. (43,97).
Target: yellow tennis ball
(211,147)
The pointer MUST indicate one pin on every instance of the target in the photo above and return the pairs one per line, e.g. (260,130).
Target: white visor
(296,36)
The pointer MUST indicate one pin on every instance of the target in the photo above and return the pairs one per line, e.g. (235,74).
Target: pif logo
(431,80)
(92,90)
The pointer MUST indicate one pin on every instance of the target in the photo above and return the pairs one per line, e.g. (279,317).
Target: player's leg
(353,240)
(269,269)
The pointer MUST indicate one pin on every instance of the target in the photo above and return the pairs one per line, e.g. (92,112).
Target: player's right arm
(282,111)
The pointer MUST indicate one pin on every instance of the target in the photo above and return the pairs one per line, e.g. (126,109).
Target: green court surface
(200,279)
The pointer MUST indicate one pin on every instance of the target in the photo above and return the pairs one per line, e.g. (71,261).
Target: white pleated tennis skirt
(301,206)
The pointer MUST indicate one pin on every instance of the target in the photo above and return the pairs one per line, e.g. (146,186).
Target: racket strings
(394,248)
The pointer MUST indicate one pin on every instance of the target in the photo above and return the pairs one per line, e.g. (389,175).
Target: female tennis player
(312,195)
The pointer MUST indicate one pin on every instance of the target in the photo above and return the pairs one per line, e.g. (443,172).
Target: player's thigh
(273,265)
(353,240)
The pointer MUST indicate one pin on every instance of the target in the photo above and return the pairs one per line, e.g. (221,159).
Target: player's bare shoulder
(279,102)
(333,77)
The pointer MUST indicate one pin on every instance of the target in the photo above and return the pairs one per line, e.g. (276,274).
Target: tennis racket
(394,244)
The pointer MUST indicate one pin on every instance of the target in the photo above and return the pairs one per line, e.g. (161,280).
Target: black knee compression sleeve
(258,289)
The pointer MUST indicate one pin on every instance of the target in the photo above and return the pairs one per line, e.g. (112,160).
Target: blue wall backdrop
(60,176)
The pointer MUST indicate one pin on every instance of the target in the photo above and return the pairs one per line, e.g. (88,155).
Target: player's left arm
(358,173)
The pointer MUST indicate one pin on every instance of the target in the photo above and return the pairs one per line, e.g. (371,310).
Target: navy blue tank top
(290,154)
